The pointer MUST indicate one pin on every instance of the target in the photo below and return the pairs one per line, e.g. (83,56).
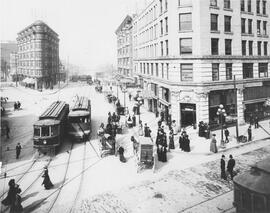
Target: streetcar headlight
(44,142)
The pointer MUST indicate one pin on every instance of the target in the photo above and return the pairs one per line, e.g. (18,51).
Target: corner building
(187,52)
(38,54)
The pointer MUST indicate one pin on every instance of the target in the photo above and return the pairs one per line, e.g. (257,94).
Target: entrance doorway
(188,114)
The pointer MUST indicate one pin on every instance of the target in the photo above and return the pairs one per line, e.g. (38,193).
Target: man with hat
(222,167)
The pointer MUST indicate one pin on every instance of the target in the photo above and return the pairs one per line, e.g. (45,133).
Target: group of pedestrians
(17,105)
(230,167)
(184,142)
(161,143)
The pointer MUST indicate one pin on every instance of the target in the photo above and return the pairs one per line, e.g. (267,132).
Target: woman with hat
(46,181)
(213,144)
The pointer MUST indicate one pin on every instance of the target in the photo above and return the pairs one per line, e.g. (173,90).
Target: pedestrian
(213,144)
(114,117)
(171,140)
(222,167)
(174,127)
(249,133)
(129,96)
(133,120)
(13,198)
(121,154)
(230,166)
(227,133)
(7,131)
(109,129)
(164,154)
(46,181)
(159,152)
(18,150)
(135,145)
(256,122)
(109,117)
(186,143)
(18,104)
(181,140)
(147,131)
(140,128)
(15,105)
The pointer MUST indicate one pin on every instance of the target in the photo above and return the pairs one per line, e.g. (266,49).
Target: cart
(145,155)
(107,145)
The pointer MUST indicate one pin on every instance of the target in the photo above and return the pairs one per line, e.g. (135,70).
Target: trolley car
(49,130)
(80,119)
(252,189)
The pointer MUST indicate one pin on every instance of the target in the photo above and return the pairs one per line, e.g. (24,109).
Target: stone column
(202,107)
(175,107)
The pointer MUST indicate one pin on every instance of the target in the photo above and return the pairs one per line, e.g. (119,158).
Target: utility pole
(236,110)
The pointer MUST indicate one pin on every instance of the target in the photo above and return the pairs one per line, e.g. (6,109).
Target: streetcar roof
(81,102)
(56,110)
(46,122)
(78,113)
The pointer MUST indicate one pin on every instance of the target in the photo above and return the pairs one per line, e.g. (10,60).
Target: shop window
(186,72)
(263,70)
(215,72)
(247,70)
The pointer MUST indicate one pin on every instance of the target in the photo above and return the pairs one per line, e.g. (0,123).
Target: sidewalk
(199,145)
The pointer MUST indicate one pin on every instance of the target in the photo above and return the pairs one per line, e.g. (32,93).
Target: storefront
(164,105)
(188,114)
(255,102)
(227,99)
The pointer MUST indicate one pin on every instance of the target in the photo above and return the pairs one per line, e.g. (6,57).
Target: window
(167,71)
(214,46)
(250,47)
(265,47)
(162,70)
(37,131)
(228,46)
(166,5)
(259,45)
(161,27)
(264,27)
(213,3)
(263,70)
(157,69)
(215,72)
(214,22)
(264,7)
(227,23)
(247,70)
(249,5)
(258,6)
(185,46)
(242,5)
(166,25)
(258,27)
(161,8)
(183,3)
(228,71)
(185,21)
(161,48)
(250,26)
(54,130)
(167,47)
(143,68)
(147,68)
(186,72)
(227,4)
(152,69)
(243,25)
(45,131)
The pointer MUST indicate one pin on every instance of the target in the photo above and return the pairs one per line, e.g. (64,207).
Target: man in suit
(230,166)
(222,167)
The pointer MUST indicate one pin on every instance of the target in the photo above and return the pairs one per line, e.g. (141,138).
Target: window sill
(228,9)
(247,13)
(215,31)
(262,15)
(184,6)
(185,31)
(228,33)
(246,34)
(214,7)
(262,36)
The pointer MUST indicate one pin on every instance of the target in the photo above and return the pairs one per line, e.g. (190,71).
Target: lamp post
(221,112)
(124,91)
(139,103)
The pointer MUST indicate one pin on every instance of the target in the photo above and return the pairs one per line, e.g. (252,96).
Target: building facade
(124,47)
(187,53)
(6,48)
(38,54)
(13,67)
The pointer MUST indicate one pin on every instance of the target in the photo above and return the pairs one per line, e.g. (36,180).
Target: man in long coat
(222,167)
(230,166)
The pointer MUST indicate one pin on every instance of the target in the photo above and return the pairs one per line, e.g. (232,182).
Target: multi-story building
(13,66)
(6,48)
(187,52)
(38,54)
(124,47)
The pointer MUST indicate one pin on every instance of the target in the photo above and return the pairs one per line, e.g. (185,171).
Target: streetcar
(80,119)
(50,129)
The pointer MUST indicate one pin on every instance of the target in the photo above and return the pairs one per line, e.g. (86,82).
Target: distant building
(124,47)
(62,73)
(6,49)
(38,54)
(187,53)
(14,67)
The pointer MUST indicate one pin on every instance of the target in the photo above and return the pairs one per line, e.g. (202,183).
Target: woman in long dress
(46,181)
(213,144)
(171,140)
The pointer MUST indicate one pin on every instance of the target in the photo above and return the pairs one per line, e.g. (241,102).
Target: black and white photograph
(135,106)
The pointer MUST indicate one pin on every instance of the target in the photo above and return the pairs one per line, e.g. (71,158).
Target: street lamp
(124,91)
(221,112)
(139,103)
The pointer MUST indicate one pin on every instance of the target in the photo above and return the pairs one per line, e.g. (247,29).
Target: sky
(86,28)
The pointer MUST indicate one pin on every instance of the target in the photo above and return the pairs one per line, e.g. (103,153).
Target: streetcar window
(37,131)
(54,130)
(45,131)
